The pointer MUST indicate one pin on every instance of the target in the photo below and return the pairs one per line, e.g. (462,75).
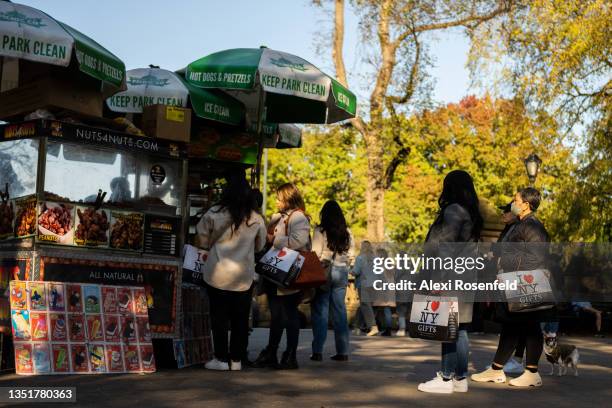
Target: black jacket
(524,249)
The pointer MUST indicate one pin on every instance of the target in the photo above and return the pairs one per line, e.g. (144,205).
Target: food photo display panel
(68,328)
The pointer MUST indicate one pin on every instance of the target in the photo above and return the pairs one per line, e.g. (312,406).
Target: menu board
(74,328)
(160,234)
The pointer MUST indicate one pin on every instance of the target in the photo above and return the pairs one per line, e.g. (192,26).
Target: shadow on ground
(383,372)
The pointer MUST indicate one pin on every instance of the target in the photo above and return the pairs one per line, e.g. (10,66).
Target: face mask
(515,209)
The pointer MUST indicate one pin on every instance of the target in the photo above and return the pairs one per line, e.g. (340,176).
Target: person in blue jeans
(333,244)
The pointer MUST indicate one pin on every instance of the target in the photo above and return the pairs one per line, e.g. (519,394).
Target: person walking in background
(232,232)
(364,279)
(402,299)
(384,300)
(290,229)
(333,244)
(458,220)
(523,250)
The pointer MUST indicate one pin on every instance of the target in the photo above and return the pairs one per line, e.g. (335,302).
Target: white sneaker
(437,385)
(235,365)
(217,365)
(490,375)
(401,333)
(373,332)
(528,379)
(460,385)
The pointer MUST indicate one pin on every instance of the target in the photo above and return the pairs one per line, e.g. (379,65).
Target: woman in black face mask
(524,249)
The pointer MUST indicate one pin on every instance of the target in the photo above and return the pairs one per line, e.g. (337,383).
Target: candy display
(56,222)
(92,227)
(70,328)
(126,230)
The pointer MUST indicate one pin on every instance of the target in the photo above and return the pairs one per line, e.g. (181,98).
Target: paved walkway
(383,372)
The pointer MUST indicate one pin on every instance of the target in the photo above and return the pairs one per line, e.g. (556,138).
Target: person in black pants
(229,309)
(524,249)
(289,228)
(232,232)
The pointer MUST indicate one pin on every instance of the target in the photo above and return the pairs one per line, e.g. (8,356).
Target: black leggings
(510,338)
(284,315)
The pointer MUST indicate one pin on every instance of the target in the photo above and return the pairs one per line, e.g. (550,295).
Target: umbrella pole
(260,137)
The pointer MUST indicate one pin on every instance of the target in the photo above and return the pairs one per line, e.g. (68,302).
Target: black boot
(266,359)
(288,361)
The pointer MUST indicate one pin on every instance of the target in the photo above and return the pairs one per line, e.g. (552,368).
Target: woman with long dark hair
(232,232)
(458,220)
(333,243)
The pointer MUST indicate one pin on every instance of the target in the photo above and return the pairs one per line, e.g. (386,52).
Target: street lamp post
(532,165)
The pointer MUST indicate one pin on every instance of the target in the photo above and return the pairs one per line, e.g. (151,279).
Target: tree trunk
(375,192)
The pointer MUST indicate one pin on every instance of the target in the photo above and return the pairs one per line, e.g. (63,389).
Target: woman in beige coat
(289,228)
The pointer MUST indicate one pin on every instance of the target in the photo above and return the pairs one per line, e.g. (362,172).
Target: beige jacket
(298,237)
(231,259)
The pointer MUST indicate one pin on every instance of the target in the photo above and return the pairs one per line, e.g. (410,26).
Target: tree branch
(400,157)
(476,19)
(339,43)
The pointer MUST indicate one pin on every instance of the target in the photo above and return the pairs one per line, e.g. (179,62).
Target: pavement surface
(382,372)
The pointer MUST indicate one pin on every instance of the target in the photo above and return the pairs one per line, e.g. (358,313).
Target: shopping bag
(193,264)
(309,273)
(434,318)
(278,266)
(534,290)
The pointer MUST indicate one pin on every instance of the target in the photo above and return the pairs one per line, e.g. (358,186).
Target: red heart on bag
(282,253)
(435,305)
(528,278)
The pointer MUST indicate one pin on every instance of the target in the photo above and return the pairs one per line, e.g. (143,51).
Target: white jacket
(231,259)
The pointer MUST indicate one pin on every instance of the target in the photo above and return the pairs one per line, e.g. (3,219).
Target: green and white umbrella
(150,86)
(282,87)
(31,34)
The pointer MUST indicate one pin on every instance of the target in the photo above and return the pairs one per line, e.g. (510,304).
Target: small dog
(562,355)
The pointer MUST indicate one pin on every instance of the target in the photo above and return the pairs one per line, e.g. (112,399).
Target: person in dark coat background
(526,250)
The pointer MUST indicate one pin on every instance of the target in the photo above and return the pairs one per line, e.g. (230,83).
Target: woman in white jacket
(289,228)
(233,232)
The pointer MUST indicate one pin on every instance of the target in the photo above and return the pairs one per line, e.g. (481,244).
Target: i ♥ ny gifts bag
(434,317)
(280,266)
(534,290)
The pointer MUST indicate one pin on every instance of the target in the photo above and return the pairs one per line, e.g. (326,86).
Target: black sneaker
(316,357)
(288,361)
(340,357)
(266,359)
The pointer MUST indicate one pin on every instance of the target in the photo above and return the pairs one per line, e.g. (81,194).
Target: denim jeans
(321,304)
(455,356)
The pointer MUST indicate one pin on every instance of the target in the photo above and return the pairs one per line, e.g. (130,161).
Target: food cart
(94,205)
